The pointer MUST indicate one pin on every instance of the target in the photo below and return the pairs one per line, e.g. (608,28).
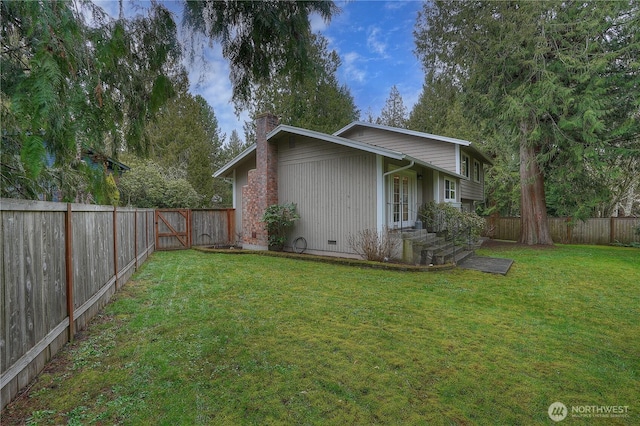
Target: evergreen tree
(394,113)
(67,85)
(440,111)
(317,101)
(234,146)
(368,116)
(557,79)
(185,135)
(70,83)
(261,39)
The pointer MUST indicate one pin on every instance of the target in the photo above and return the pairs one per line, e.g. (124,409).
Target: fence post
(68,248)
(135,238)
(115,244)
(230,226)
(155,224)
(612,230)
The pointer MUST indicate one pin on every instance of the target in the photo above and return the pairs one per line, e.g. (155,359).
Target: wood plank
(4,302)
(16,294)
(32,353)
(33,268)
(11,204)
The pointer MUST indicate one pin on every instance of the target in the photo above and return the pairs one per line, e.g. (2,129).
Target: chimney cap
(266,114)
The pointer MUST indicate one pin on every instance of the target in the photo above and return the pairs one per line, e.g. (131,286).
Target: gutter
(400,169)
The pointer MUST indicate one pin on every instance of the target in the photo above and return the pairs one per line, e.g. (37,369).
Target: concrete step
(463,255)
(453,254)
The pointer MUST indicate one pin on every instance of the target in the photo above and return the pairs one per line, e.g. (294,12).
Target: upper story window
(449,190)
(465,164)
(476,170)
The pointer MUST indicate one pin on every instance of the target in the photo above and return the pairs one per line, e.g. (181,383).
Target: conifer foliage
(74,78)
(394,113)
(558,79)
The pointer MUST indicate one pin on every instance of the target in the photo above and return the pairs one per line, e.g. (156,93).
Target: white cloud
(352,72)
(374,43)
(318,24)
(211,81)
(394,5)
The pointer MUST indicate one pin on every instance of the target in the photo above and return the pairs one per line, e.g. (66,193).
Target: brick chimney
(261,190)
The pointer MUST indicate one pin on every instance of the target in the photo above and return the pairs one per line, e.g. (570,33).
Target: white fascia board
(402,131)
(231,164)
(285,129)
(431,166)
(458,142)
(480,154)
(380,198)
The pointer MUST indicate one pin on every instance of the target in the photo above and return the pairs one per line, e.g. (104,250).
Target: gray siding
(471,189)
(438,153)
(334,188)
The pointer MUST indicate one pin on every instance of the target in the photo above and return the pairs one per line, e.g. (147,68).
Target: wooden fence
(180,228)
(564,231)
(61,263)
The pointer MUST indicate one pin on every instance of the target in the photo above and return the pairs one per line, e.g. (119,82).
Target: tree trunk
(534,227)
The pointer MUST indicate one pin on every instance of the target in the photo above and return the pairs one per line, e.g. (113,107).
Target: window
(464,166)
(476,170)
(449,190)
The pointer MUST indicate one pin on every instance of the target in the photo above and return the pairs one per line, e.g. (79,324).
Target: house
(364,176)
(94,160)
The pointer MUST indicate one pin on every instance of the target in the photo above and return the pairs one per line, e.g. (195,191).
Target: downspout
(400,169)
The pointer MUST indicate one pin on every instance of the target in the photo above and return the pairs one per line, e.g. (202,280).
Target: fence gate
(173,229)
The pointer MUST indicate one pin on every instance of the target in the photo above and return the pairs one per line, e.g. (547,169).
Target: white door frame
(407,192)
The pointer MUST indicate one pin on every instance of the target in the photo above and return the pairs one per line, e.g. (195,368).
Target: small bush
(370,245)
(279,218)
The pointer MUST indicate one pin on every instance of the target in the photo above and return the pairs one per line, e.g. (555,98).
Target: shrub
(279,218)
(370,245)
(444,217)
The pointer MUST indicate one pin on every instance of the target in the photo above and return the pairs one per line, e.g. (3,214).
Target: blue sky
(375,42)
(373,38)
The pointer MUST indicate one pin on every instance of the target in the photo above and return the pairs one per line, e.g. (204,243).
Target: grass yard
(199,338)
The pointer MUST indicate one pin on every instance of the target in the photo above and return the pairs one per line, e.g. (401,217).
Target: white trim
(455,190)
(283,128)
(436,186)
(412,196)
(457,150)
(362,146)
(380,198)
(479,177)
(402,131)
(235,161)
(469,165)
(440,138)
(234,197)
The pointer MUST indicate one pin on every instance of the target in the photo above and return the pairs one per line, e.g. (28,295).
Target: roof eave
(231,164)
(402,131)
(283,128)
(431,166)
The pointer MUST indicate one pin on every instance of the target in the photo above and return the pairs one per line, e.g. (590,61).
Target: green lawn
(200,338)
